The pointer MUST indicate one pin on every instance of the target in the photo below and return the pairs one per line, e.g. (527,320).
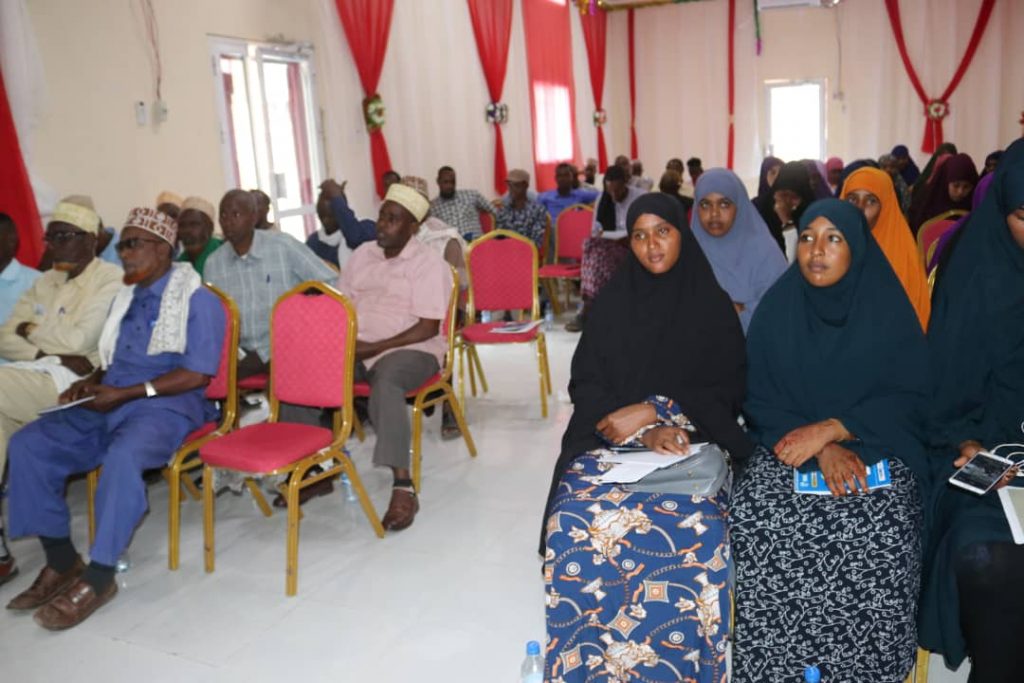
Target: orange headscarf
(894,237)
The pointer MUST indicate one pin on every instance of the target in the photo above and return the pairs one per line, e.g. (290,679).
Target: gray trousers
(391,377)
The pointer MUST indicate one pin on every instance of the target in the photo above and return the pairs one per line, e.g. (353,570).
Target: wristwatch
(150,389)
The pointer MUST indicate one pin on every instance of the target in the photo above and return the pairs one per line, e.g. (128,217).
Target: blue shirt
(15,279)
(132,365)
(356,230)
(556,203)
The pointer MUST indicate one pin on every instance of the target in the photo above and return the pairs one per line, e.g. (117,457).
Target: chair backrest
(933,228)
(449,325)
(575,224)
(312,349)
(502,271)
(223,385)
(486,222)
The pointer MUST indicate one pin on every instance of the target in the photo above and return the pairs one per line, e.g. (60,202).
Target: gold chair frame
(551,283)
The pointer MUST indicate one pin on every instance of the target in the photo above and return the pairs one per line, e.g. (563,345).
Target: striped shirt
(462,211)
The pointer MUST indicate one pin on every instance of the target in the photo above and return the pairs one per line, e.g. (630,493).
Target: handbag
(702,474)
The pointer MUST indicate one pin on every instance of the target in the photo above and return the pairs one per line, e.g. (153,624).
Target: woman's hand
(625,422)
(970,448)
(842,469)
(803,443)
(667,440)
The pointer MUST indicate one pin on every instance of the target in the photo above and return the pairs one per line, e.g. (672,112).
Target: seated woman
(637,583)
(943,246)
(973,604)
(837,380)
(793,194)
(765,199)
(949,188)
(872,191)
(743,255)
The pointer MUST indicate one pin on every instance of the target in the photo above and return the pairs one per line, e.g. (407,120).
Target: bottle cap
(812,674)
(533,648)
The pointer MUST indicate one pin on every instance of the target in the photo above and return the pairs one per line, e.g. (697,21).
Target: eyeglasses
(64,236)
(133,243)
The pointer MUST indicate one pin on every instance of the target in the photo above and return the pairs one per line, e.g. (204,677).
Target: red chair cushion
(560,270)
(265,447)
(362,389)
(200,433)
(254,382)
(481,333)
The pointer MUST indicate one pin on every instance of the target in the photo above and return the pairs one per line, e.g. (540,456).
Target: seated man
(638,178)
(53,331)
(195,232)
(169,203)
(339,223)
(459,208)
(400,289)
(557,200)
(255,268)
(522,214)
(262,210)
(160,345)
(14,277)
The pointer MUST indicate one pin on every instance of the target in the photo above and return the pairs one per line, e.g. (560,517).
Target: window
(796,119)
(269,133)
(553,119)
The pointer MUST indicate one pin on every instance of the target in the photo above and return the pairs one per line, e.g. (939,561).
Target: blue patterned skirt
(637,583)
(824,580)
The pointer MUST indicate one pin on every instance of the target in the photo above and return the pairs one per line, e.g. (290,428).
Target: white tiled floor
(453,598)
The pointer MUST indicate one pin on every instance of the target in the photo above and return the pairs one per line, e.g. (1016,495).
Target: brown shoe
(73,606)
(8,569)
(401,510)
(48,584)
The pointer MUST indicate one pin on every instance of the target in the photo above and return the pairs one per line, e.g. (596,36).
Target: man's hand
(107,397)
(77,389)
(79,365)
(843,470)
(25,329)
(332,189)
(365,349)
(625,422)
(667,440)
(803,443)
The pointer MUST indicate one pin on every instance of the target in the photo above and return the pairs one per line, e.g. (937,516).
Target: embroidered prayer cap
(518,175)
(416,183)
(200,205)
(156,222)
(166,197)
(408,198)
(77,210)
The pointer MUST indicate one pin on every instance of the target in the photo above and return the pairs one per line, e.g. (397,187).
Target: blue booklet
(813,482)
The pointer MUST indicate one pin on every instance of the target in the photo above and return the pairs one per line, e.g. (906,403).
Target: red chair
(440,382)
(313,342)
(502,267)
(574,225)
(934,228)
(486,222)
(221,388)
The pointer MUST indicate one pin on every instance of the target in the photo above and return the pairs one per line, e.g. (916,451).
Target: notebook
(1012,498)
(813,483)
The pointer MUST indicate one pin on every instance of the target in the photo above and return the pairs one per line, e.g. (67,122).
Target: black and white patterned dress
(824,580)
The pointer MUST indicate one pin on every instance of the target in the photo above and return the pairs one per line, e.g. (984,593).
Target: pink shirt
(392,295)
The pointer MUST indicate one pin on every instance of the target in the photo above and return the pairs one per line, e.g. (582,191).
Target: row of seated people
(844,366)
(141,343)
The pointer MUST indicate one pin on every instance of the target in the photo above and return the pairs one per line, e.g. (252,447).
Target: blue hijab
(746,260)
(853,351)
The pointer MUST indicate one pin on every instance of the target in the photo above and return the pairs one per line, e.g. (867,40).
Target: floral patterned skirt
(601,258)
(637,583)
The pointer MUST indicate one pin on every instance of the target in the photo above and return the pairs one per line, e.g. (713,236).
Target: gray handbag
(702,474)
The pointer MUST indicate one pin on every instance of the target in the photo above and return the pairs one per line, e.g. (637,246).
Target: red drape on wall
(16,198)
(731,143)
(492,27)
(367,24)
(552,91)
(633,147)
(935,110)
(595,29)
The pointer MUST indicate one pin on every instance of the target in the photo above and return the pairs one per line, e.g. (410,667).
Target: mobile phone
(981,472)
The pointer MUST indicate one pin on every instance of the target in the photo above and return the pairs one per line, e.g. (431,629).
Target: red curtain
(595,29)
(367,24)
(633,147)
(731,142)
(492,27)
(935,110)
(552,92)
(16,197)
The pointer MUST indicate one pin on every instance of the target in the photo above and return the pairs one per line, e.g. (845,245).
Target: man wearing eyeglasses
(53,331)
(159,347)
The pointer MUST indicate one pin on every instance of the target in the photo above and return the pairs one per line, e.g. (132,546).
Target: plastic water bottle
(812,674)
(532,670)
(549,317)
(485,316)
(346,483)
(124,563)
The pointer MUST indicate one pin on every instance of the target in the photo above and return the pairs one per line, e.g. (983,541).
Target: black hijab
(606,205)
(675,334)
(853,351)
(765,201)
(796,177)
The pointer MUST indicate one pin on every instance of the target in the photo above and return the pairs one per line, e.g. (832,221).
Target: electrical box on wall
(159,111)
(140,113)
